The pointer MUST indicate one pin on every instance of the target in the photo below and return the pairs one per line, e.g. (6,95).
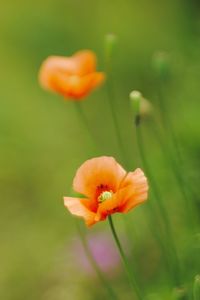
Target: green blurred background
(42,139)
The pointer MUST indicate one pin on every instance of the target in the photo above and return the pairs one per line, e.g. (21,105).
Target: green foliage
(42,141)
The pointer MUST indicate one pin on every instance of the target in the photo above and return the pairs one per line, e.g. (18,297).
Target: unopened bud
(145,108)
(161,64)
(110,43)
(135,98)
(140,106)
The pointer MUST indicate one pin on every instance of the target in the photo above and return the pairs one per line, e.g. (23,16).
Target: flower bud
(145,108)
(161,65)
(140,106)
(110,43)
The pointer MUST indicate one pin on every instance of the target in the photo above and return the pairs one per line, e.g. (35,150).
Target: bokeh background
(43,141)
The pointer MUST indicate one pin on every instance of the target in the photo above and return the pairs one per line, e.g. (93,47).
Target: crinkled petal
(133,190)
(55,67)
(85,61)
(72,77)
(80,207)
(107,207)
(59,75)
(79,87)
(96,172)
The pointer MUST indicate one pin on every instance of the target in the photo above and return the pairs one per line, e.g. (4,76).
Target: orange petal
(88,83)
(79,207)
(57,74)
(107,207)
(72,77)
(98,171)
(97,79)
(134,190)
(78,87)
(85,61)
(54,66)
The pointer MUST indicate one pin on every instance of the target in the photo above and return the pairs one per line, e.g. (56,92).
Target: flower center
(105,196)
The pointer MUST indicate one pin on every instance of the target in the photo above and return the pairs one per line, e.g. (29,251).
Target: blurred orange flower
(73,77)
(108,189)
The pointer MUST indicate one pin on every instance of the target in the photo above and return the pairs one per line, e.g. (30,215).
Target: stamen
(105,196)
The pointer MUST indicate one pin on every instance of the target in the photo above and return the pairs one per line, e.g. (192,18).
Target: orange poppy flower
(73,77)
(108,189)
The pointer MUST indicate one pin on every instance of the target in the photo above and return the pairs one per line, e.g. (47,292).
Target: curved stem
(112,104)
(130,273)
(183,186)
(196,288)
(83,118)
(90,257)
(171,251)
(116,125)
(177,161)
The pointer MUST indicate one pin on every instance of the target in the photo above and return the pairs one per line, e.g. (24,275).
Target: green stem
(153,226)
(177,161)
(93,262)
(130,273)
(172,249)
(112,104)
(101,277)
(178,175)
(84,120)
(196,288)
(116,125)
